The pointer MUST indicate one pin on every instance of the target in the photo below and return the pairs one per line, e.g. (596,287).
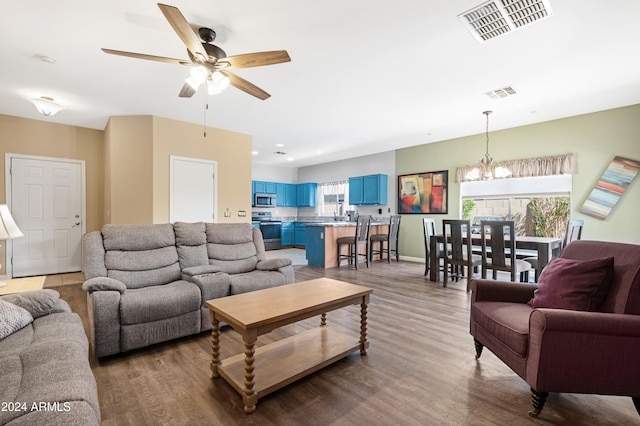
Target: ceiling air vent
(498,17)
(502,92)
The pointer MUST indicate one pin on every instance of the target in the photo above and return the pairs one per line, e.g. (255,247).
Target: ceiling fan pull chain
(206,107)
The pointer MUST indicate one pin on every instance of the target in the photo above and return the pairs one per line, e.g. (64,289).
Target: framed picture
(610,188)
(423,193)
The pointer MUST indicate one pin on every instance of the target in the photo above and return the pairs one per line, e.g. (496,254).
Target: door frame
(214,163)
(8,183)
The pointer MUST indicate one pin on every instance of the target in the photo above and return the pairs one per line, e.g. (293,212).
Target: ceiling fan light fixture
(193,83)
(46,106)
(199,74)
(217,83)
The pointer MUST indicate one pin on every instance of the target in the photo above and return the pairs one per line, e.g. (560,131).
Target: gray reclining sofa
(147,284)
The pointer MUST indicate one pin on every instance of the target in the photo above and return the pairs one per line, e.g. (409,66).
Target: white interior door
(193,190)
(47,204)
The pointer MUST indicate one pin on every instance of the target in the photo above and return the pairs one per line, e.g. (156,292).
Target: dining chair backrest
(394,228)
(455,232)
(429,227)
(498,239)
(574,231)
(362,228)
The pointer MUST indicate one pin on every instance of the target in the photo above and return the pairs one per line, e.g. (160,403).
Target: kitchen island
(322,246)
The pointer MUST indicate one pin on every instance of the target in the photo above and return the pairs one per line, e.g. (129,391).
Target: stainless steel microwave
(264,200)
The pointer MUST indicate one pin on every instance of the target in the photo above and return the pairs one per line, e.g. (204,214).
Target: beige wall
(138,151)
(44,139)
(596,139)
(231,151)
(129,175)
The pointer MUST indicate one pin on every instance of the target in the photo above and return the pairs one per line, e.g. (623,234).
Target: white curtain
(528,167)
(331,188)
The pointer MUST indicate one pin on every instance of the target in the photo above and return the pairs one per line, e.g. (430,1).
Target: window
(538,205)
(334,197)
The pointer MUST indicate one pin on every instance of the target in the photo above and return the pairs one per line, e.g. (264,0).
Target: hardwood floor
(420,370)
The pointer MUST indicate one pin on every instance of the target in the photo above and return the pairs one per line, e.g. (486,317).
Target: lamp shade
(8,227)
(46,106)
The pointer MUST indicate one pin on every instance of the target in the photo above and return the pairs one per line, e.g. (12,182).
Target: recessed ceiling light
(254,153)
(290,159)
(47,60)
(279,145)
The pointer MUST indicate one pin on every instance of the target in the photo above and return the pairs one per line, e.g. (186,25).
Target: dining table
(546,248)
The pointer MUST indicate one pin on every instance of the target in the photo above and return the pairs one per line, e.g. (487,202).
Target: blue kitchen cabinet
(261,187)
(315,246)
(368,190)
(306,194)
(286,195)
(300,234)
(287,234)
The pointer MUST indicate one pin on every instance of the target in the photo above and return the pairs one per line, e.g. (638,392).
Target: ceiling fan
(209,62)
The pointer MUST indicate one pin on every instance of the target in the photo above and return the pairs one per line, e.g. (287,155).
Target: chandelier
(485,169)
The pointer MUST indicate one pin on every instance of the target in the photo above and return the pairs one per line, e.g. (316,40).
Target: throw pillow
(38,302)
(578,285)
(12,318)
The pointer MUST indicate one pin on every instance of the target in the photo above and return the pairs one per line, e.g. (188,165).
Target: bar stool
(390,238)
(361,237)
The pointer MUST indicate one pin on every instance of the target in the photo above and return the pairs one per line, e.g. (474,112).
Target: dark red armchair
(561,350)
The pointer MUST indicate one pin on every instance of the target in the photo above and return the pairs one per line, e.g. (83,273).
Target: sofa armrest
(501,291)
(103,284)
(192,271)
(104,322)
(273,264)
(583,352)
(212,286)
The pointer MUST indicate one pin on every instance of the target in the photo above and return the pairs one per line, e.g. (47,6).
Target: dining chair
(498,250)
(573,233)
(429,227)
(457,248)
(390,240)
(354,243)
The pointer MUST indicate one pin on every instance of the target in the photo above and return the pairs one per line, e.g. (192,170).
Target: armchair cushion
(573,284)
(508,322)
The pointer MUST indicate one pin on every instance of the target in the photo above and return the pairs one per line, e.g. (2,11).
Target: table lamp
(8,228)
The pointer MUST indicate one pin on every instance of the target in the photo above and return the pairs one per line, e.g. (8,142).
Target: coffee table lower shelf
(285,361)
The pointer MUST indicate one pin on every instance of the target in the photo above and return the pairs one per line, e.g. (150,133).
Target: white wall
(274,173)
(383,163)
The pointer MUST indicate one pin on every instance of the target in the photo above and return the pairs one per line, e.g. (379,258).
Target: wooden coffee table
(258,372)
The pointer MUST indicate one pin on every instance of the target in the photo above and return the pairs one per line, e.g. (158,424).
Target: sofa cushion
(579,285)
(508,322)
(191,240)
(159,302)
(231,246)
(256,280)
(138,237)
(12,318)
(36,302)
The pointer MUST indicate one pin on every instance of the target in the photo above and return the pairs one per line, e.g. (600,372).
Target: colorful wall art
(610,187)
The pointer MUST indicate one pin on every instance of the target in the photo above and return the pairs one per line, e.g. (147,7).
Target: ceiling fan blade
(147,57)
(257,59)
(187,91)
(245,86)
(184,30)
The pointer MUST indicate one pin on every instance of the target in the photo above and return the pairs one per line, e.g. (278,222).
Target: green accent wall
(595,138)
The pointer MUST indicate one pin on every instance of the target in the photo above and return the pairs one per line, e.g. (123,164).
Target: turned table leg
(323,319)
(249,396)
(215,345)
(363,326)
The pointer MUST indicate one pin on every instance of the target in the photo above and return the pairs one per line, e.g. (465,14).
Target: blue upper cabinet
(306,194)
(286,195)
(261,187)
(368,190)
